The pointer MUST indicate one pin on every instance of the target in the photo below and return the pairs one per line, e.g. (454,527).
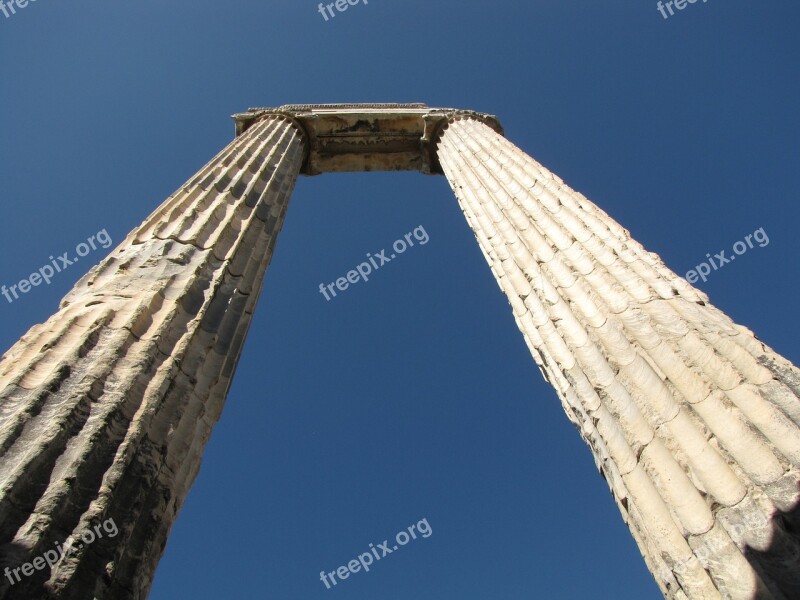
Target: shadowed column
(106,407)
(692,421)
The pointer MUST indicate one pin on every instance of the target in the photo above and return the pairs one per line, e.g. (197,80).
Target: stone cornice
(367,137)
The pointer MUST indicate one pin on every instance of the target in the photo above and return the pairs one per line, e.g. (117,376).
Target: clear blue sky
(411,396)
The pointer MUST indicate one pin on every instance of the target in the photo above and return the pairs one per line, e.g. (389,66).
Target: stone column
(691,419)
(106,407)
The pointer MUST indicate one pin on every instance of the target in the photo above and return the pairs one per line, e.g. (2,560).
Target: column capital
(367,137)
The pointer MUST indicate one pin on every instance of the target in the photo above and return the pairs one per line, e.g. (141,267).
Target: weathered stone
(106,407)
(366,137)
(693,422)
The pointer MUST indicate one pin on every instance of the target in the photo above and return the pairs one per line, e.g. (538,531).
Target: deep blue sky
(411,396)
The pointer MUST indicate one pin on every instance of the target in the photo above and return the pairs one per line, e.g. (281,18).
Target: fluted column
(106,407)
(692,420)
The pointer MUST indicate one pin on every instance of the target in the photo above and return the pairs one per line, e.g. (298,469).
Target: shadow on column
(12,555)
(779,564)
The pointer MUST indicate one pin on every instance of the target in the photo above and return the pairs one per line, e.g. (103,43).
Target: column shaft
(692,421)
(106,407)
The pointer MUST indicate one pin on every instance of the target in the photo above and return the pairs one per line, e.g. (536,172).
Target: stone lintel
(367,137)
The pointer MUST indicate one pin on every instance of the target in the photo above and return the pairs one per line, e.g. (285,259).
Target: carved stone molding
(367,137)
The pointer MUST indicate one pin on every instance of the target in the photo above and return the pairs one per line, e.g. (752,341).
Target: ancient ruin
(106,407)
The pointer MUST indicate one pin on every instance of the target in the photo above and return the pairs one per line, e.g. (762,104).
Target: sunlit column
(691,419)
(106,407)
